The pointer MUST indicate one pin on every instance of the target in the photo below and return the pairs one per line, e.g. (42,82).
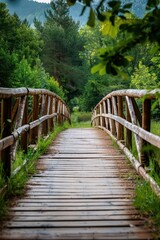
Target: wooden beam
(6,154)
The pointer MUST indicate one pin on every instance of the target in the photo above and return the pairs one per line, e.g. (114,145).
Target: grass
(145,199)
(16,184)
(155,127)
(81,119)
(147,202)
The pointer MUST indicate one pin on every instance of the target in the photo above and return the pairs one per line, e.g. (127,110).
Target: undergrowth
(81,119)
(147,202)
(16,184)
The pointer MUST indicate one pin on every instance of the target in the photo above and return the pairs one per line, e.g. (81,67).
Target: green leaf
(96,68)
(123,75)
(129,58)
(102,71)
(91,20)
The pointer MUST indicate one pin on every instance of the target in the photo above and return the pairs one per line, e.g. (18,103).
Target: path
(83,190)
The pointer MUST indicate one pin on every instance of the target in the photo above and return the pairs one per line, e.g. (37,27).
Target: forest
(69,59)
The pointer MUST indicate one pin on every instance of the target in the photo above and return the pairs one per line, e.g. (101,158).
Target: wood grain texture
(83,189)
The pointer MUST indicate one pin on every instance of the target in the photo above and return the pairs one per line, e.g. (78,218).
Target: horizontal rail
(133,93)
(26,115)
(126,115)
(149,137)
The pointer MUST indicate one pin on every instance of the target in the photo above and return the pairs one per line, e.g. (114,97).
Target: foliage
(144,78)
(147,202)
(55,87)
(20,47)
(97,86)
(81,119)
(62,44)
(118,20)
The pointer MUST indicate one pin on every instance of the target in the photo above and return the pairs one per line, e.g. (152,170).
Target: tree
(97,86)
(143,78)
(8,25)
(20,47)
(62,44)
(115,15)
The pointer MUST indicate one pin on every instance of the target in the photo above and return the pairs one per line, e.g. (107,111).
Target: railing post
(6,130)
(146,125)
(100,112)
(35,115)
(138,139)
(54,110)
(115,112)
(40,129)
(128,132)
(24,138)
(45,112)
(105,112)
(51,110)
(109,111)
(19,120)
(120,134)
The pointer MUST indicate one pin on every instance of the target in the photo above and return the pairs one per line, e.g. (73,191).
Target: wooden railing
(26,115)
(121,116)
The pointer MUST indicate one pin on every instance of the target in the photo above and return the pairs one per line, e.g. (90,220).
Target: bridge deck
(83,190)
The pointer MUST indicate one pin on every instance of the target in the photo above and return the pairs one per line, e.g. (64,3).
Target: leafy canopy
(117,18)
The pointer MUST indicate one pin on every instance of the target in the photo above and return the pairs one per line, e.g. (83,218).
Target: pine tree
(62,44)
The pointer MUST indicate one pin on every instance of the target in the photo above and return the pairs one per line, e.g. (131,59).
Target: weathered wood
(147,136)
(115,112)
(42,105)
(35,116)
(77,195)
(105,111)
(6,156)
(133,122)
(128,131)
(134,93)
(120,131)
(137,165)
(24,137)
(19,119)
(137,111)
(146,125)
(138,140)
(109,111)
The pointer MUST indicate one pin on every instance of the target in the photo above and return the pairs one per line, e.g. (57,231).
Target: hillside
(29,9)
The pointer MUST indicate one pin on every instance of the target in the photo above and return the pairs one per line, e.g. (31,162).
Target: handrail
(26,115)
(121,117)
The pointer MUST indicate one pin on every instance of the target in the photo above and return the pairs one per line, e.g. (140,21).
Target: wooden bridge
(84,186)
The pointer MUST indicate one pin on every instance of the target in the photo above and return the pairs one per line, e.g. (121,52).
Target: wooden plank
(57,217)
(53,224)
(118,213)
(78,193)
(78,233)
